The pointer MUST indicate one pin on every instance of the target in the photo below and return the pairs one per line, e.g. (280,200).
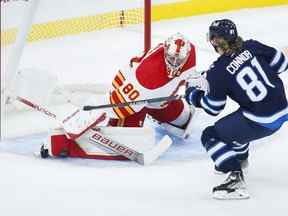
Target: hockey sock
(242,150)
(224,157)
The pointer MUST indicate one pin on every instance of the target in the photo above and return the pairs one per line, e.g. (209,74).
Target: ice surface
(180,182)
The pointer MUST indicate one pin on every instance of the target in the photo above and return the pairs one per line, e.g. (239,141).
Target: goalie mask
(176,53)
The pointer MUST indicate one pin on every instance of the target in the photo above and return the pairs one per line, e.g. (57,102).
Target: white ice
(180,182)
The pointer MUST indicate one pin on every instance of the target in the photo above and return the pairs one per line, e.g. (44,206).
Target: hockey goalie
(160,72)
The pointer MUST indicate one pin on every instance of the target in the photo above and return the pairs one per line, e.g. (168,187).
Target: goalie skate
(233,187)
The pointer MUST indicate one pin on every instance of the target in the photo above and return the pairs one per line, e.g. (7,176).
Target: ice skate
(233,187)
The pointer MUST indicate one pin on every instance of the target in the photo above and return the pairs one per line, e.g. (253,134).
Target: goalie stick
(145,101)
(143,158)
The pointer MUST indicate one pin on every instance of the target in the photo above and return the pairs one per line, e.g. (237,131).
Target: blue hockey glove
(193,96)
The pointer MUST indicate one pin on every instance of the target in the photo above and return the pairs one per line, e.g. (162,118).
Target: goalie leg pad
(189,124)
(140,139)
(59,145)
(182,126)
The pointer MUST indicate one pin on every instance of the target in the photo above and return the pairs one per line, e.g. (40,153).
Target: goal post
(46,27)
(28,23)
(147,25)
(13,59)
(17,36)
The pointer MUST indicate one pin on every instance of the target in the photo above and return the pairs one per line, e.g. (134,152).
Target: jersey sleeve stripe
(122,112)
(117,82)
(284,66)
(120,75)
(276,58)
(281,64)
(116,110)
(214,102)
(208,109)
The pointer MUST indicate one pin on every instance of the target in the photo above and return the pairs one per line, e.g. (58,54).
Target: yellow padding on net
(134,16)
(77,25)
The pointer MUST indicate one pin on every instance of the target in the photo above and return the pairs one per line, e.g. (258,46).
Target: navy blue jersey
(251,78)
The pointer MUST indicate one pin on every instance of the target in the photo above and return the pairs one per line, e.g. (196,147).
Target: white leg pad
(178,132)
(140,139)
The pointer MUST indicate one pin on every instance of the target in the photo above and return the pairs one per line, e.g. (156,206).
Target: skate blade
(236,195)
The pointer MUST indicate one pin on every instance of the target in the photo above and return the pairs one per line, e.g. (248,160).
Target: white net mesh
(60,31)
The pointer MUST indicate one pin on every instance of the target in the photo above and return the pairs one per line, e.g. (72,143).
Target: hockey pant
(227,141)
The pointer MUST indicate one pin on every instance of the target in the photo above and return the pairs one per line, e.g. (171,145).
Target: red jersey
(146,77)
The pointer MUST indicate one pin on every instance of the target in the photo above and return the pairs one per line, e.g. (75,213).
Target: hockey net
(31,31)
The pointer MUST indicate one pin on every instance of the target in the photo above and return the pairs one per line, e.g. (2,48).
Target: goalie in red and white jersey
(158,73)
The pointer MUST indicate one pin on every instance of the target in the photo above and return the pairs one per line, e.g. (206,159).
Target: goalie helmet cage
(28,21)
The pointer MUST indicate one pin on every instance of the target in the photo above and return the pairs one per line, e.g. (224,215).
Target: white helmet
(176,52)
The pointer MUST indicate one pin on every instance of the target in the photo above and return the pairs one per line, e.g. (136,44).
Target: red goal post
(24,21)
(33,25)
(121,17)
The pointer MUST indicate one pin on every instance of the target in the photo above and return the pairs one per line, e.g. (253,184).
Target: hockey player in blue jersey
(248,73)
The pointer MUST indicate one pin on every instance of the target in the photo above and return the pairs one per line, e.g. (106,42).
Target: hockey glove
(198,80)
(193,96)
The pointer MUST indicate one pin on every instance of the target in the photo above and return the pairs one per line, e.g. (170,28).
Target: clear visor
(210,37)
(175,60)
(213,39)
(174,64)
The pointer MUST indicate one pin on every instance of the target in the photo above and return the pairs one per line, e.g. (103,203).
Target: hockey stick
(143,158)
(139,102)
